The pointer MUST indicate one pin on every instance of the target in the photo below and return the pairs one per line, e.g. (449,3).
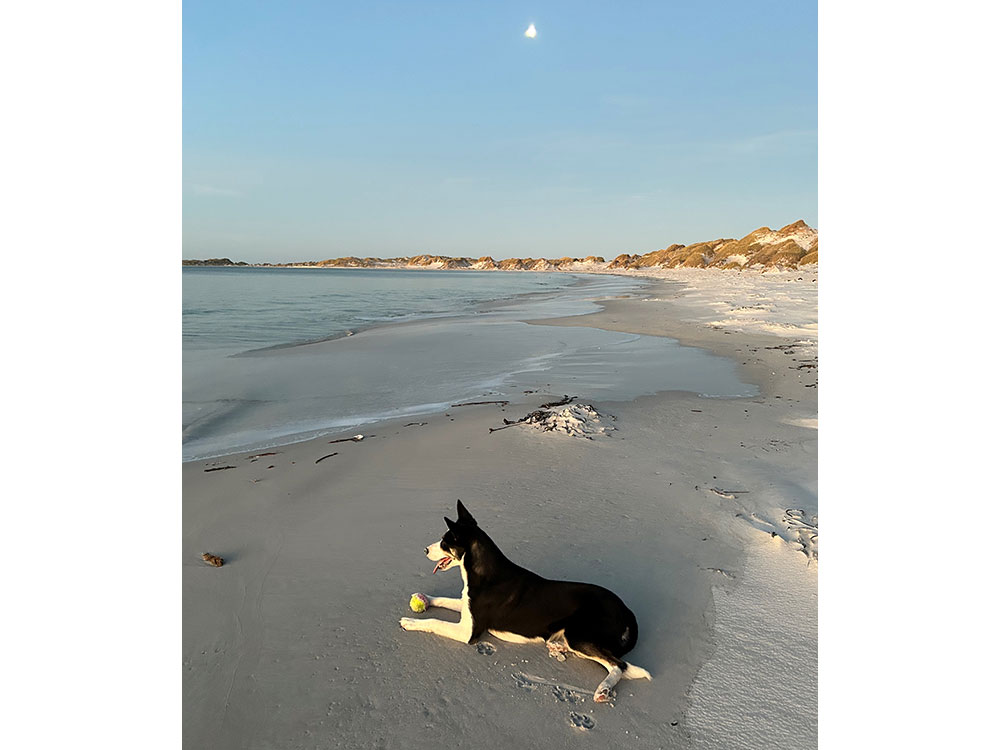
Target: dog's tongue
(441,564)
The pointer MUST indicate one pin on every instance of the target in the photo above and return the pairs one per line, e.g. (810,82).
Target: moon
(530,32)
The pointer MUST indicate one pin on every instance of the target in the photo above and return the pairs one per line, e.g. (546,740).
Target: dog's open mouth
(443,563)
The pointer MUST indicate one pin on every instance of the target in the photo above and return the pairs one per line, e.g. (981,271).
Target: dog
(519,606)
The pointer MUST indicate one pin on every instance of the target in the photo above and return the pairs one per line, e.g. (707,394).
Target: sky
(316,130)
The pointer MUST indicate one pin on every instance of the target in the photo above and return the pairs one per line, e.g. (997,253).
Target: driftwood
(728,494)
(329,455)
(535,416)
(261,455)
(480,403)
(561,402)
(353,439)
(220,468)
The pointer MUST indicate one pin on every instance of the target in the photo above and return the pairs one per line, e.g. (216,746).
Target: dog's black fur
(503,596)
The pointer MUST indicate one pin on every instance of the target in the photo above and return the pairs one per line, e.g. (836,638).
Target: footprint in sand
(567,696)
(580,721)
(562,693)
(486,648)
(804,530)
(522,681)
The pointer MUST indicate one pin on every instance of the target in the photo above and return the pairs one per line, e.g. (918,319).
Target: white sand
(759,689)
(295,641)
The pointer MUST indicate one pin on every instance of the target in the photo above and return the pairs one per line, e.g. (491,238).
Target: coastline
(296,639)
(791,246)
(253,400)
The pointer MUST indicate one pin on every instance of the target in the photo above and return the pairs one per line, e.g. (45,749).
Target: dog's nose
(427,550)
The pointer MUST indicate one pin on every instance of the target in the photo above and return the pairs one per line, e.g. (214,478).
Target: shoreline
(583,294)
(480,308)
(688,336)
(296,638)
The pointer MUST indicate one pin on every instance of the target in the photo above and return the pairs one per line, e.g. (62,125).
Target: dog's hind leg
(603,692)
(615,666)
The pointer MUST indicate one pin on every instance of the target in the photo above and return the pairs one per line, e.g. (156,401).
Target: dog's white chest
(466,619)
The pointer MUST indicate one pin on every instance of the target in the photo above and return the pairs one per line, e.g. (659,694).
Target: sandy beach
(699,512)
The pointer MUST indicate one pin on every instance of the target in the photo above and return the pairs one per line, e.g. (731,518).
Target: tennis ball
(418,602)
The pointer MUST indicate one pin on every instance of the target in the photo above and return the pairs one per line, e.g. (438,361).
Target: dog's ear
(464,516)
(451,524)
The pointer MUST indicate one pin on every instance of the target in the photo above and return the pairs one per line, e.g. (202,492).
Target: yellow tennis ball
(418,602)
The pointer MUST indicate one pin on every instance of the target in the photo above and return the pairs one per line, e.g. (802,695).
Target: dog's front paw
(408,623)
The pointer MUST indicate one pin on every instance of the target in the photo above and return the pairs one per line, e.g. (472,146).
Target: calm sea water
(268,360)
(233,310)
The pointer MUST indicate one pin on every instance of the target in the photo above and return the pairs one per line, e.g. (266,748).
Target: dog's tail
(632,672)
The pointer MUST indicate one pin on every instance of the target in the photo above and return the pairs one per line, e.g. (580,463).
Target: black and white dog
(519,606)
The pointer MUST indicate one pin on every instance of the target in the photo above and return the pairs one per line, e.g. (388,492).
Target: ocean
(277,355)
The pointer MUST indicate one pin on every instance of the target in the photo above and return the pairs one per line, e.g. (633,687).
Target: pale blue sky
(321,129)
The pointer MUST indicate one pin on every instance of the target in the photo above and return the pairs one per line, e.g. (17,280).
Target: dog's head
(456,540)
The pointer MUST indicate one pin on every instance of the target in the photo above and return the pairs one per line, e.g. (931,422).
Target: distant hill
(792,246)
(212,262)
